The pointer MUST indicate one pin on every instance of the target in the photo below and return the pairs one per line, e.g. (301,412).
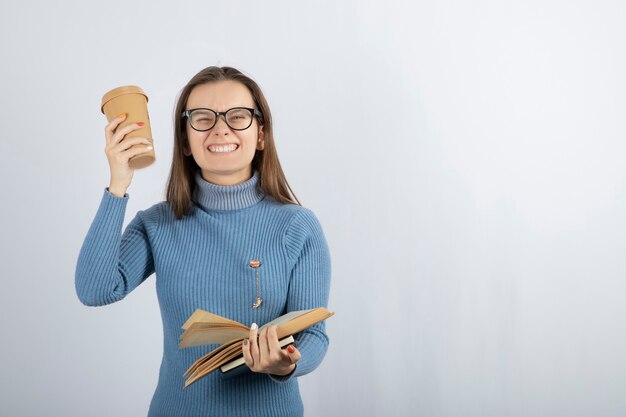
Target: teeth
(222,148)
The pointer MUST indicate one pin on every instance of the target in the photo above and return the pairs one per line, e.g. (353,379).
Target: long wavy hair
(181,181)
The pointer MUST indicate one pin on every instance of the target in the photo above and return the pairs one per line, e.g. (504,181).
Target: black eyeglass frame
(255,112)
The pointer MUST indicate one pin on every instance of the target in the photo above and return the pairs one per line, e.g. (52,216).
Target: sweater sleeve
(111,264)
(308,288)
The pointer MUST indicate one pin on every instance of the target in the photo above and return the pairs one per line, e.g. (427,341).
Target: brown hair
(181,182)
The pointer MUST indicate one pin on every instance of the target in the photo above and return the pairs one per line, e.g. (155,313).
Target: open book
(204,328)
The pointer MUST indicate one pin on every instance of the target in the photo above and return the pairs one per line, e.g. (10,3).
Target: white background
(466,160)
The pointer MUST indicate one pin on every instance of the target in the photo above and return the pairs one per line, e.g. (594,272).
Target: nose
(220,126)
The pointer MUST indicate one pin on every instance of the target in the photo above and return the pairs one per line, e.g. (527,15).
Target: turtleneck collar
(227,197)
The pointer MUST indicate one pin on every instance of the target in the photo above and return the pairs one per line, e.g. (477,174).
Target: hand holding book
(204,328)
(265,354)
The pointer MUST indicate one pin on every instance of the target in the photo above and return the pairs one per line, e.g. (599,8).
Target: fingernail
(140,123)
(148,147)
(254,326)
(122,115)
(291,349)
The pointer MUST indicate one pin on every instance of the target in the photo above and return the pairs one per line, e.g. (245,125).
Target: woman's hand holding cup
(120,150)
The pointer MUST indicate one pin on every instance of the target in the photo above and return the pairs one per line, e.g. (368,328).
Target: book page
(197,335)
(205,316)
(286,317)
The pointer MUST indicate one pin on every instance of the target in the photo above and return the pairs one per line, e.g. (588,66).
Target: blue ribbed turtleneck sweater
(201,261)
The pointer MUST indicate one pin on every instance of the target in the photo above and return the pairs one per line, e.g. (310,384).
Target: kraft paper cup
(131,100)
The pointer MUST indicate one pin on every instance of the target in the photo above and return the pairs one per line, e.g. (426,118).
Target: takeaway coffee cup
(131,100)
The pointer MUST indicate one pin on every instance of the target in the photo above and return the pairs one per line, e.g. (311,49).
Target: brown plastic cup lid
(119,91)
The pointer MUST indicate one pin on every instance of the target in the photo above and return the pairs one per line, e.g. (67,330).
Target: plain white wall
(466,160)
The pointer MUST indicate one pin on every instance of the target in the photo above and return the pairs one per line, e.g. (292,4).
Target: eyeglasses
(237,118)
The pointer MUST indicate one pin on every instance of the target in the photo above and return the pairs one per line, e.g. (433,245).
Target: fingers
(253,346)
(264,348)
(109,129)
(115,135)
(128,148)
(247,356)
(275,354)
(263,353)
(133,144)
(119,134)
(129,142)
(292,354)
(272,339)
(126,155)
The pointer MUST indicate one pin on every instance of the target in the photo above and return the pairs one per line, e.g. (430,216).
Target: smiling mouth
(223,148)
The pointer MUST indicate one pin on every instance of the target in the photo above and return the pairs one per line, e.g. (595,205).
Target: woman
(231,238)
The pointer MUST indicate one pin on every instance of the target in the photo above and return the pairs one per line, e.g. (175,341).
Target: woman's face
(224,155)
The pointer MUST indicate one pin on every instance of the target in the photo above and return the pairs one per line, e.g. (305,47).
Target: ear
(186,150)
(261,142)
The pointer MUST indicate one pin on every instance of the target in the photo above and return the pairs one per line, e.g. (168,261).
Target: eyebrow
(228,108)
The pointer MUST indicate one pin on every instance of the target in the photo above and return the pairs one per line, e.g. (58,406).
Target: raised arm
(112,264)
